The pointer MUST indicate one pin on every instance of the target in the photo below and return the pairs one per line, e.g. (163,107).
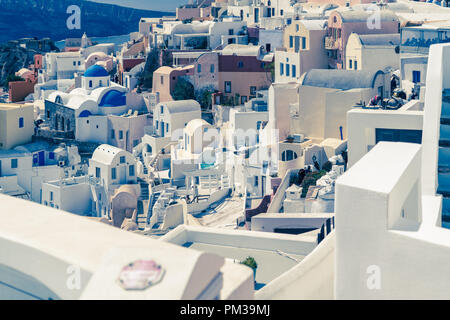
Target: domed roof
(113,98)
(96,71)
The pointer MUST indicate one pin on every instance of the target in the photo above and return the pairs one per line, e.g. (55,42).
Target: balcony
(331,43)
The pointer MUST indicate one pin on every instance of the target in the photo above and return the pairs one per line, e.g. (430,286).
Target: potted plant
(250,262)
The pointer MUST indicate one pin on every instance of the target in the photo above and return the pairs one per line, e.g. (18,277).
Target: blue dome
(96,71)
(113,98)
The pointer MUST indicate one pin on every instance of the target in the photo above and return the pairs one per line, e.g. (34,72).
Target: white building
(368,127)
(61,65)
(364,52)
(390,243)
(169,120)
(109,168)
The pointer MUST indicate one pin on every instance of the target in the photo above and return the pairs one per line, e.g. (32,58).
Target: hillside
(47,18)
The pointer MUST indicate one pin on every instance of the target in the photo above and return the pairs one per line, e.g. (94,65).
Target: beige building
(16,124)
(303,50)
(325,96)
(373,52)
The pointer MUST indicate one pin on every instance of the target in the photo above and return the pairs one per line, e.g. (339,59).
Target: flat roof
(9,106)
(271,264)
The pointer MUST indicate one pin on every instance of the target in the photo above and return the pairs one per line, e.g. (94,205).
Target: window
(258,125)
(167,127)
(162,80)
(161,110)
(131,170)
(79,63)
(113,173)
(240,64)
(291,41)
(14,163)
(281,12)
(48,114)
(113,134)
(51,156)
(243,99)
(135,143)
(122,159)
(100,83)
(297,27)
(303,43)
(199,68)
(356,65)
(120,135)
(416,76)
(212,68)
(287,70)
(268,47)
(288,155)
(74,63)
(281,69)
(294,71)
(20,122)
(398,135)
(253,91)
(97,172)
(156,124)
(90,83)
(230,32)
(51,196)
(227,86)
(256,181)
(350,64)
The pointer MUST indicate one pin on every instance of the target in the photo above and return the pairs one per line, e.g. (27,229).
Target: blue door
(41,156)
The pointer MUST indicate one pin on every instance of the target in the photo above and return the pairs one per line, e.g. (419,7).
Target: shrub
(250,262)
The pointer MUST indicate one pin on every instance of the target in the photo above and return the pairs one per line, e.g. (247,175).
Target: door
(162,127)
(123,174)
(41,157)
(297,44)
(263,185)
(380,92)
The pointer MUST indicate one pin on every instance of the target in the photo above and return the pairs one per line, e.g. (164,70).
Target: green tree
(151,65)
(204,97)
(184,90)
(310,180)
(12,78)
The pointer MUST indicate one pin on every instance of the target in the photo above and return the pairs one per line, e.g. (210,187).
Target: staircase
(141,158)
(141,214)
(444,159)
(144,189)
(153,198)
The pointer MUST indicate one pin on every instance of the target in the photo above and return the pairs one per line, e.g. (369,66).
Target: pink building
(199,11)
(237,72)
(166,78)
(101,59)
(343,22)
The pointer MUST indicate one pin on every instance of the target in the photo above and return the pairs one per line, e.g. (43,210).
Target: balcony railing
(331,43)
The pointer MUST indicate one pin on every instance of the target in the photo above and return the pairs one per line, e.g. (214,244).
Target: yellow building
(16,124)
